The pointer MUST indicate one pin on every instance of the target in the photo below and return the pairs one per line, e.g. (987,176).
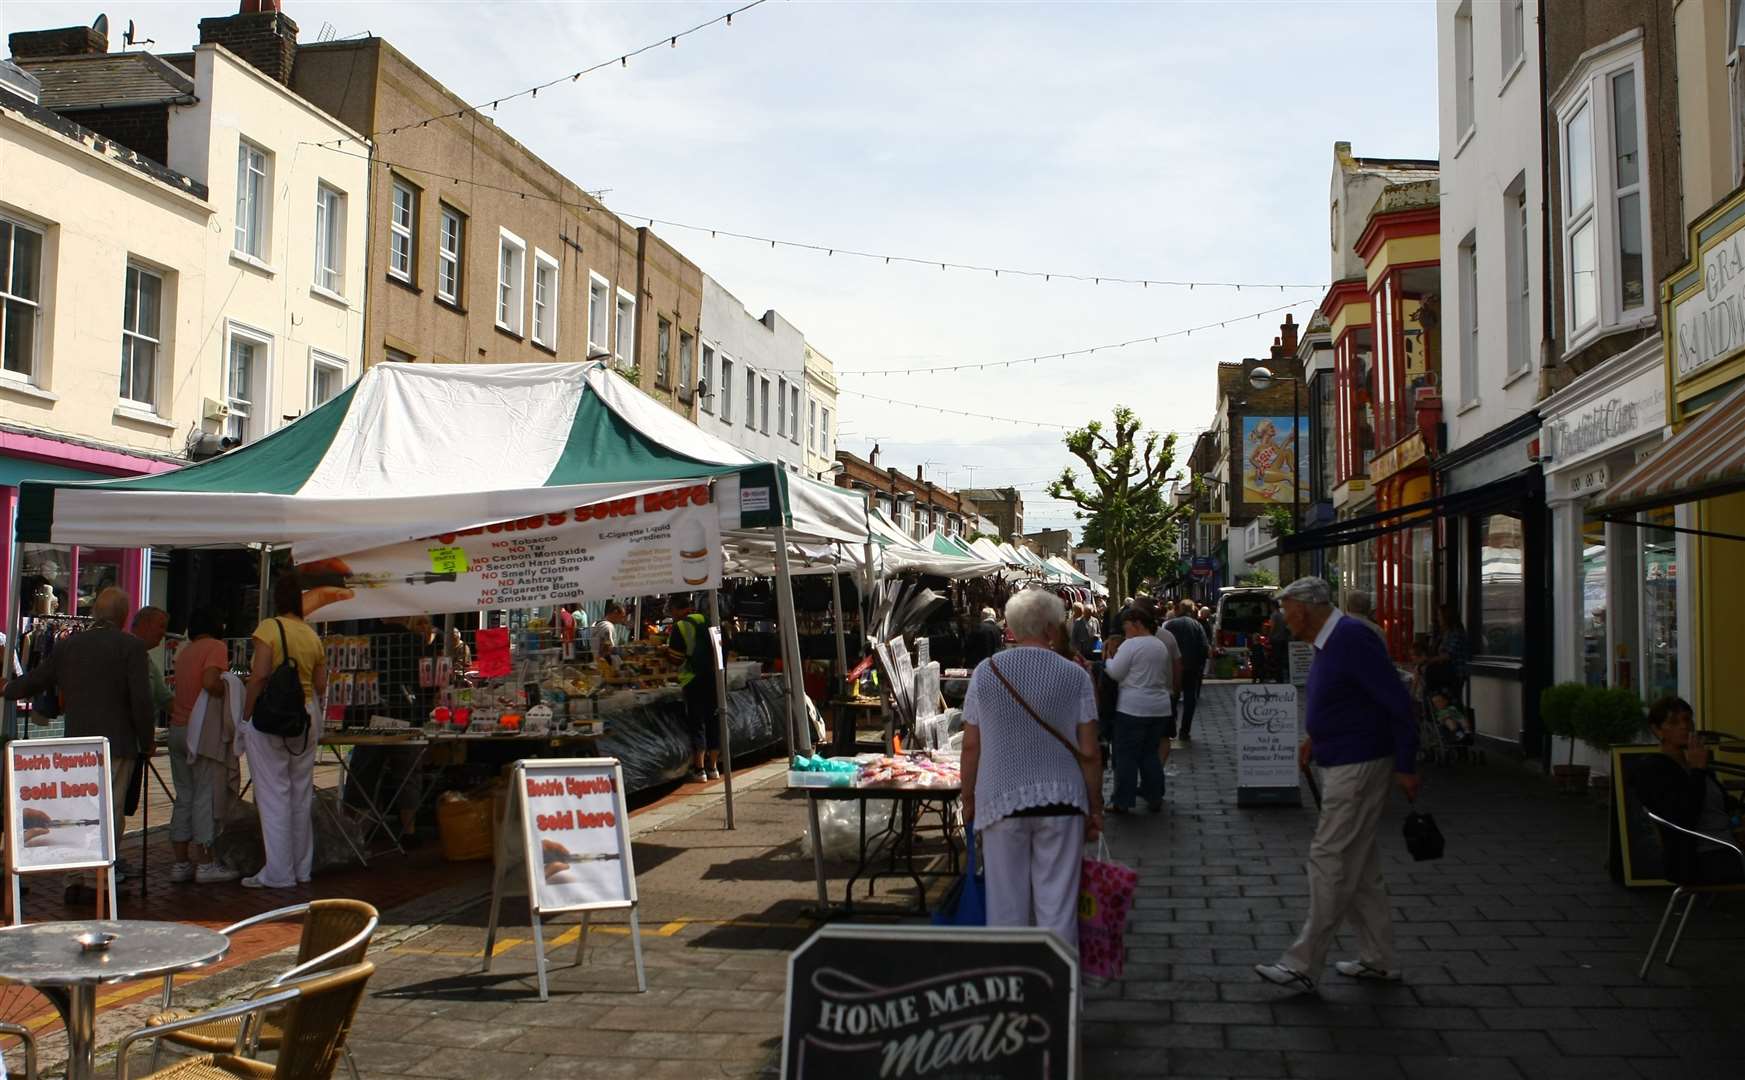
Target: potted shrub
(1557,705)
(1609,716)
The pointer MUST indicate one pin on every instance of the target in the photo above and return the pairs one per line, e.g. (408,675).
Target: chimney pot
(260,34)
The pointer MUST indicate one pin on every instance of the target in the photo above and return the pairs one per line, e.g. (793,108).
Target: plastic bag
(966,902)
(839,822)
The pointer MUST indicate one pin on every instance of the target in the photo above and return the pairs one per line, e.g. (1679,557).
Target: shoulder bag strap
(1019,698)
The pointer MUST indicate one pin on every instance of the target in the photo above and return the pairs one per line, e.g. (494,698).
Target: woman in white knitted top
(1032,777)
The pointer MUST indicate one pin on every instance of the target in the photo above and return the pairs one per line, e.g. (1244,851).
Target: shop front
(1494,576)
(62,580)
(1616,583)
(1695,480)
(1404,558)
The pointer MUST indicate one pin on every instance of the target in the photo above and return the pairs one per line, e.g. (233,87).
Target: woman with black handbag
(287,677)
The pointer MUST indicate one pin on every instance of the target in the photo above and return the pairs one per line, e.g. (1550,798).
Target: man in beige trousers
(1360,733)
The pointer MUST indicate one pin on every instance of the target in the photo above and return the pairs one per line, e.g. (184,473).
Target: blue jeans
(1137,739)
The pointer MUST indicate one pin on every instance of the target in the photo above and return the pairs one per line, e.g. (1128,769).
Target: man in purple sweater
(1360,733)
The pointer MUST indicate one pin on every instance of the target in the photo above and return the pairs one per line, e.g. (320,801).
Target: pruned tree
(1122,502)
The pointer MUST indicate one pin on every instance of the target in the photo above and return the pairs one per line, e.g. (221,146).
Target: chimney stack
(918,477)
(873,458)
(66,41)
(1289,332)
(260,33)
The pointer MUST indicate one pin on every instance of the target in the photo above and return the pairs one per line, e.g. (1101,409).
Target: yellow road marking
(569,936)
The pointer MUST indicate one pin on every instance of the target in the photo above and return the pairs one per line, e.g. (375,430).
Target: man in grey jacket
(103,676)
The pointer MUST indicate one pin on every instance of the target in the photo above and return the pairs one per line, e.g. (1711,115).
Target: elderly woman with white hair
(1032,777)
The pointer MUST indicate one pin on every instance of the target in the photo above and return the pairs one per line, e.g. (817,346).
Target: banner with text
(58,804)
(577,834)
(663,542)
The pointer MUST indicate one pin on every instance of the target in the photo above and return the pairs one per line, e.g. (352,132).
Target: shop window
(20,298)
(1659,605)
(46,579)
(1501,629)
(1594,600)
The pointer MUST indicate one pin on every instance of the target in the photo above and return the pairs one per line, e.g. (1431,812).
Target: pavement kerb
(397,926)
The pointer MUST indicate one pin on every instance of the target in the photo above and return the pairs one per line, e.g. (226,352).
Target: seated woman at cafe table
(1678,785)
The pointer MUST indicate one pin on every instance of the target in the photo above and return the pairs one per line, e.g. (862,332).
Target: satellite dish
(101,25)
(132,38)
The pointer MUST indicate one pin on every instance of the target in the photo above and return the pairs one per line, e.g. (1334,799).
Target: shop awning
(1707,458)
(416,449)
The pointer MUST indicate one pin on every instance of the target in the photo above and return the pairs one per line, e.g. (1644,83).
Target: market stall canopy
(1706,459)
(1067,570)
(411,450)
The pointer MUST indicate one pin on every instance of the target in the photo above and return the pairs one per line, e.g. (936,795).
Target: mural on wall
(1269,452)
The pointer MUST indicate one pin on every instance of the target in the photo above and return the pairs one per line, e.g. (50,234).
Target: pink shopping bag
(1106,891)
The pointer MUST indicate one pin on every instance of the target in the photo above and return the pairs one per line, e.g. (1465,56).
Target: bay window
(1606,269)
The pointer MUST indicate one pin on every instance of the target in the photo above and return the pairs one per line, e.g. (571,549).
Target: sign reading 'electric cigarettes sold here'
(663,542)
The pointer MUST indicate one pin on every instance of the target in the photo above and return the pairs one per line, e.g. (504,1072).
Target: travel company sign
(930,1003)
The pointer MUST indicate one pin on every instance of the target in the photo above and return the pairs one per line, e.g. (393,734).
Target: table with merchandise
(917,785)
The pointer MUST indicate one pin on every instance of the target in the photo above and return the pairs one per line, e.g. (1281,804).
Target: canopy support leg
(799,728)
(721,708)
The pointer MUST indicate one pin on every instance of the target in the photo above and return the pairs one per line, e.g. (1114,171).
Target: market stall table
(913,801)
(48,957)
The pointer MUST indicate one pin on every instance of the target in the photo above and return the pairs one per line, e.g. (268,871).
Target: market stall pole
(721,710)
(839,685)
(265,603)
(799,728)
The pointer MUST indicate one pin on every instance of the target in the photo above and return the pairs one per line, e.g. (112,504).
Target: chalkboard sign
(896,1002)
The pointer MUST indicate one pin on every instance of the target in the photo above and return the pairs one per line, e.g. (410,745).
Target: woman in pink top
(200,667)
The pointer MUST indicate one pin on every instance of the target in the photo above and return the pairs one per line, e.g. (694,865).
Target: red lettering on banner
(598,785)
(555,822)
(75,791)
(26,762)
(87,760)
(537,788)
(603,820)
(37,791)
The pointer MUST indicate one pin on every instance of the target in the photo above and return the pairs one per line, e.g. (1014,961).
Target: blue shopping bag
(964,903)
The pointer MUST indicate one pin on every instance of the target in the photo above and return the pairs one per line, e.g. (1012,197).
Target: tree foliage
(1122,500)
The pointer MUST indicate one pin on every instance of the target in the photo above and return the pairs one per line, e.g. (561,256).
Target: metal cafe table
(49,957)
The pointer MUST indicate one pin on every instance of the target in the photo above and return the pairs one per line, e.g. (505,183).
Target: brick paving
(1520,952)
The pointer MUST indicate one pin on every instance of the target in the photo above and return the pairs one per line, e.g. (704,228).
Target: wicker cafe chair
(28,1041)
(316,1014)
(336,933)
(1688,893)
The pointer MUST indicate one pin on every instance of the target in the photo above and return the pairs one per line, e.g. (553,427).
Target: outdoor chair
(316,1014)
(336,933)
(28,1041)
(1688,893)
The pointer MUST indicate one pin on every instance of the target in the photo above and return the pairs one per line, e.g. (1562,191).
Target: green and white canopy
(414,449)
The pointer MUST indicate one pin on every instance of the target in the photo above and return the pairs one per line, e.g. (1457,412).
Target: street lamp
(1262,378)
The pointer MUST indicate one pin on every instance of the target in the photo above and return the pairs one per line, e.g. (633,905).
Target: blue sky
(1158,140)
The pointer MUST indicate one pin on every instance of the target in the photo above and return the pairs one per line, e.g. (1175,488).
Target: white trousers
(1345,869)
(284,794)
(1032,867)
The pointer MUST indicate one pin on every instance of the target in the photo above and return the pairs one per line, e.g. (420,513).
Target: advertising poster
(577,833)
(57,793)
(1302,655)
(1266,741)
(663,542)
(959,1003)
(1269,454)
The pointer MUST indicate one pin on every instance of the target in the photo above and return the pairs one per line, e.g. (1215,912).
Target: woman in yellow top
(283,769)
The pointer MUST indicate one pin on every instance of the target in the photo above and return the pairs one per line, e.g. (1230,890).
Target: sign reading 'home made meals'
(930,1003)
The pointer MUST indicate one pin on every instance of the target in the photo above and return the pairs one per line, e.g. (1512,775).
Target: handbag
(1423,839)
(280,709)
(1106,891)
(1078,756)
(966,902)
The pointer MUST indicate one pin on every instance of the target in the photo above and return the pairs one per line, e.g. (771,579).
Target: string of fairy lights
(622,60)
